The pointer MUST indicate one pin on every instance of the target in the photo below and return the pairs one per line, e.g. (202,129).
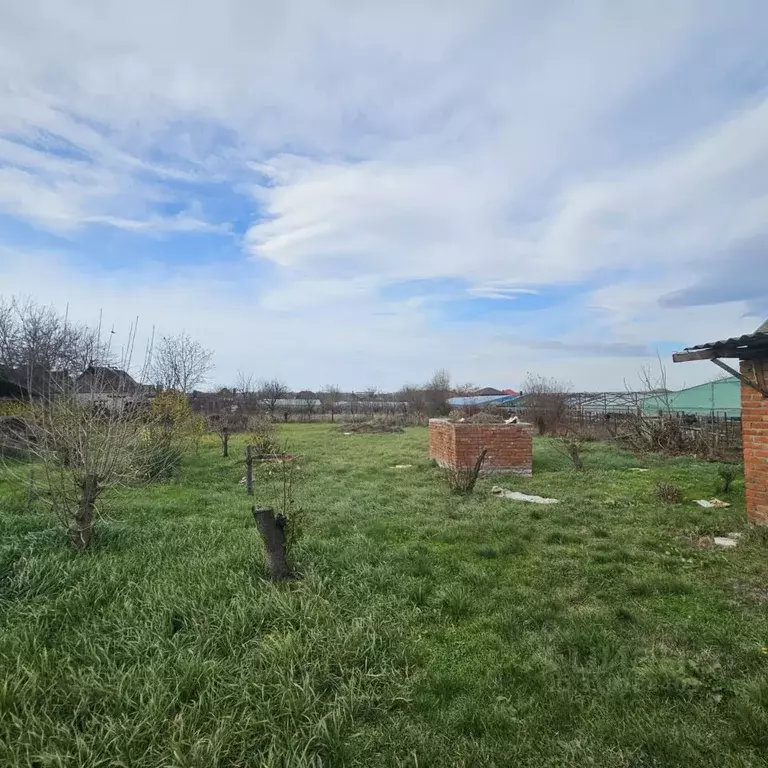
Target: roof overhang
(751,347)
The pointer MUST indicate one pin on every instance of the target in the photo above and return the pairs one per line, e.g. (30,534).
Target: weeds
(462,480)
(573,445)
(667,493)
(727,474)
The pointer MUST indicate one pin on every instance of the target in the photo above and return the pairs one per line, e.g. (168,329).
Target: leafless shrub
(573,444)
(667,493)
(461,480)
(545,403)
(88,442)
(660,431)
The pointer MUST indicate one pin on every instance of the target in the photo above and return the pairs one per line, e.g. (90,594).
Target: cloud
(612,154)
(739,274)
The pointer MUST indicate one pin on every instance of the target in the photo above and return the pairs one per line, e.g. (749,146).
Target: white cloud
(621,148)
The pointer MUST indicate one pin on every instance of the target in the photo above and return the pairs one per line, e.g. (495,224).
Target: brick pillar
(754,428)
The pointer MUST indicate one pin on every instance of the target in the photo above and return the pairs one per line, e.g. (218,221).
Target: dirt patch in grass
(696,541)
(369,428)
(750,592)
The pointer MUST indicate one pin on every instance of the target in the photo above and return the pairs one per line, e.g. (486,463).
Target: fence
(715,432)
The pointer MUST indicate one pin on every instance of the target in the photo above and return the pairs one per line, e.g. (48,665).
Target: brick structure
(754,429)
(509,446)
(752,351)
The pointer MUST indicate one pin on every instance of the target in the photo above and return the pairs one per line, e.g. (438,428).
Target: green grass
(429,629)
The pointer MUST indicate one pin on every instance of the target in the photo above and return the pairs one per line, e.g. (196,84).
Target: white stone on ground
(503,493)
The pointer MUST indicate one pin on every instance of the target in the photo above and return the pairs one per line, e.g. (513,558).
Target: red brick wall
(509,446)
(754,427)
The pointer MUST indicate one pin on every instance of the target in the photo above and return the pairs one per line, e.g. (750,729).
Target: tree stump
(272,530)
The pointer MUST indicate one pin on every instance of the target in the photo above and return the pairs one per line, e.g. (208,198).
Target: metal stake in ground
(249,470)
(272,530)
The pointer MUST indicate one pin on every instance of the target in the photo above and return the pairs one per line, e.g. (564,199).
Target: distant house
(10,386)
(22,383)
(488,392)
(104,378)
(112,387)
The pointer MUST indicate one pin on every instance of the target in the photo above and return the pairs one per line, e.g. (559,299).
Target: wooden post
(272,530)
(225,441)
(249,470)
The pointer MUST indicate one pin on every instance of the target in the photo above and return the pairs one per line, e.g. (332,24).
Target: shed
(721,397)
(752,352)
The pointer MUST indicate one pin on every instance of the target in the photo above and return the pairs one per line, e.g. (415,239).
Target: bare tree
(269,392)
(416,403)
(330,396)
(36,340)
(466,389)
(180,363)
(88,441)
(308,402)
(546,402)
(222,424)
(437,391)
(246,386)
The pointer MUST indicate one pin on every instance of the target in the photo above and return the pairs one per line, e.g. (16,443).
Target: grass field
(428,630)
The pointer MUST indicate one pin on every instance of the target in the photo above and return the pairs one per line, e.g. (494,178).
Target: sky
(359,193)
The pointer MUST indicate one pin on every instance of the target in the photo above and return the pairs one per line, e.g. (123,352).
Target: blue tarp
(481,400)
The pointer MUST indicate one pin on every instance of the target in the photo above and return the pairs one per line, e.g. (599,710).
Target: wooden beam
(740,376)
(696,354)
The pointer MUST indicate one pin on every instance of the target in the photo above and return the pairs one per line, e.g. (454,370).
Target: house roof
(108,378)
(742,347)
(10,387)
(485,391)
(34,380)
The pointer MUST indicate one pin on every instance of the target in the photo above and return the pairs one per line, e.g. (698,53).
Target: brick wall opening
(510,446)
(754,427)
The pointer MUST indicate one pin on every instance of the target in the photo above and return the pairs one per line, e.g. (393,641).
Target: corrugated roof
(759,338)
